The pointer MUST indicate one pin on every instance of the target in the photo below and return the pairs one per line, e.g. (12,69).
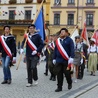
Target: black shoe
(69,86)
(53,79)
(4,82)
(8,81)
(46,74)
(50,78)
(58,90)
(91,73)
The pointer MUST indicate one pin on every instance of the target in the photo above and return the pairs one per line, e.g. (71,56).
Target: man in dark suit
(63,55)
(34,45)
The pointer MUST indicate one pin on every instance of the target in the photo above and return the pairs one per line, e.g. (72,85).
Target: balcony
(28,1)
(12,1)
(16,22)
(39,1)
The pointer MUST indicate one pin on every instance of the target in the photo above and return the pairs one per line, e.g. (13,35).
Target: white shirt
(93,49)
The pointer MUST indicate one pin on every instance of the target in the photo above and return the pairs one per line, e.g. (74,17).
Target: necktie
(52,45)
(76,46)
(61,41)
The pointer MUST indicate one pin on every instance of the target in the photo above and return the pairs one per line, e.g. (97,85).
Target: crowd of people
(63,56)
(79,54)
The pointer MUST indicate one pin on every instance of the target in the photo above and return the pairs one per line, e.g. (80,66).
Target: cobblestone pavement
(45,88)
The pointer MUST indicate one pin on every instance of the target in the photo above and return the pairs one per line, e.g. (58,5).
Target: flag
(22,12)
(95,36)
(39,23)
(75,33)
(84,34)
(6,12)
(58,2)
(19,13)
(15,12)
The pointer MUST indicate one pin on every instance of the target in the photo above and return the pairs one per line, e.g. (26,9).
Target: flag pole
(38,11)
(17,66)
(95,29)
(74,29)
(27,37)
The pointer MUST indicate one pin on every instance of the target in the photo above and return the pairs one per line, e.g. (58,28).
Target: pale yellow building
(19,14)
(69,13)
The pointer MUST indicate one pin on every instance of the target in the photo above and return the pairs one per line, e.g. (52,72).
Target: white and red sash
(51,45)
(31,44)
(61,49)
(6,48)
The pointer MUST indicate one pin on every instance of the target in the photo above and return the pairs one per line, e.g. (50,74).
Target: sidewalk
(45,88)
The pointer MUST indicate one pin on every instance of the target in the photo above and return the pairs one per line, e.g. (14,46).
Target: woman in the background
(78,56)
(92,60)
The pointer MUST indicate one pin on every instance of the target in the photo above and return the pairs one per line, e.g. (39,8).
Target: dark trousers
(81,71)
(51,67)
(32,68)
(46,67)
(61,72)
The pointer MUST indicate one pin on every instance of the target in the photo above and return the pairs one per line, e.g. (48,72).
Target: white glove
(34,52)
(54,61)
(81,61)
(21,51)
(14,60)
(70,61)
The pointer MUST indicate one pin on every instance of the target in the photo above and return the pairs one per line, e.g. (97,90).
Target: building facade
(69,13)
(19,14)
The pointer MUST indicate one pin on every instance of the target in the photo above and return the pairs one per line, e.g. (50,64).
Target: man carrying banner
(63,57)
(8,53)
(34,45)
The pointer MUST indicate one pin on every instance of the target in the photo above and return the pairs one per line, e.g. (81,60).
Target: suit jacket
(36,39)
(11,43)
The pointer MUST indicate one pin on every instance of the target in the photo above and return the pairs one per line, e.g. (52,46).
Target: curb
(80,91)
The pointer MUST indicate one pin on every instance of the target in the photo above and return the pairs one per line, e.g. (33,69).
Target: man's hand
(54,61)
(81,61)
(21,51)
(14,60)
(70,61)
(34,52)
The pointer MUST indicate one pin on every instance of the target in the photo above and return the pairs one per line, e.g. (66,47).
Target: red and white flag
(84,34)
(95,36)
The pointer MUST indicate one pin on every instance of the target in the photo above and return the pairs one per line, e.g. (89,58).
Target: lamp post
(77,10)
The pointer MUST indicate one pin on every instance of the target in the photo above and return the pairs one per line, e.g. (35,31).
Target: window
(70,19)
(11,14)
(90,1)
(57,2)
(89,19)
(70,1)
(28,14)
(56,19)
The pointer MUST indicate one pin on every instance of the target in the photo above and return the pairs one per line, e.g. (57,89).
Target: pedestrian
(46,52)
(46,56)
(92,59)
(85,59)
(34,45)
(78,56)
(8,53)
(63,55)
(50,49)
(18,47)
